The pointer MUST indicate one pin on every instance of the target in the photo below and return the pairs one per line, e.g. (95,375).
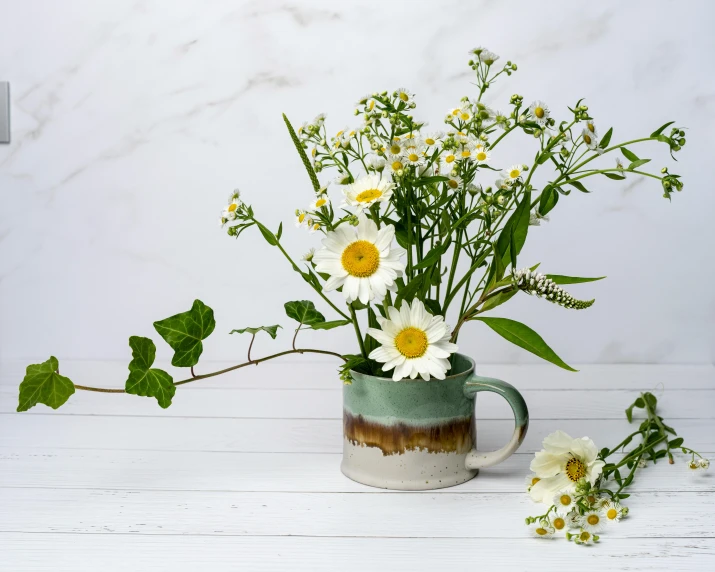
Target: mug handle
(474,384)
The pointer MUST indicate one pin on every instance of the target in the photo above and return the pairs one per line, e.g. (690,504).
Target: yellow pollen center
(411,342)
(301,217)
(465,116)
(413,157)
(514,173)
(587,139)
(575,469)
(339,133)
(612,513)
(395,149)
(534,481)
(452,183)
(591,499)
(539,112)
(455,112)
(396,166)
(593,519)
(481,156)
(361,259)
(404,96)
(584,536)
(320,202)
(542,531)
(368,195)
(565,500)
(466,153)
(449,158)
(232,207)
(430,141)
(371,105)
(559,523)
(591,127)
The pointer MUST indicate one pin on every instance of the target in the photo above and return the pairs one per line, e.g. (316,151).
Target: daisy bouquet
(415,224)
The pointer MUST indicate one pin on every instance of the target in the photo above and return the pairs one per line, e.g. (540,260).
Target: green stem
(357,331)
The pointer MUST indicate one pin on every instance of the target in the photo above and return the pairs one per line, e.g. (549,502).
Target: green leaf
(559,279)
(578,185)
(303,312)
(267,234)
(498,299)
(145,380)
(270,330)
(630,155)
(329,325)
(548,199)
(303,156)
(523,336)
(543,157)
(639,403)
(629,414)
(675,443)
(661,129)
(638,163)
(43,384)
(650,399)
(606,139)
(433,306)
(518,223)
(428,180)
(614,176)
(184,333)
(408,292)
(433,255)
(280,231)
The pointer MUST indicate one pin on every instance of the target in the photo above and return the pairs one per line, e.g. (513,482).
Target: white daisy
(558,523)
(433,138)
(542,529)
(362,260)
(464,113)
(368,190)
(448,159)
(592,128)
(612,511)
(375,162)
(478,50)
(414,342)
(454,182)
(342,179)
(396,164)
(530,481)
(300,219)
(488,57)
(589,139)
(583,537)
(539,112)
(501,120)
(395,149)
(308,256)
(313,225)
(592,521)
(480,154)
(564,501)
(704,463)
(561,463)
(319,119)
(414,154)
(513,174)
(404,95)
(320,202)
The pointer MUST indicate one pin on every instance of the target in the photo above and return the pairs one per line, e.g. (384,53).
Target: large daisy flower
(414,342)
(561,463)
(368,190)
(361,259)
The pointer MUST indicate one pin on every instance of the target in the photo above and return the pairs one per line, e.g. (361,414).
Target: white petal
(333,283)
(545,489)
(546,464)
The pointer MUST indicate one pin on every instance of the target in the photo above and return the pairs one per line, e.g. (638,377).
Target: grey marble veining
(132,121)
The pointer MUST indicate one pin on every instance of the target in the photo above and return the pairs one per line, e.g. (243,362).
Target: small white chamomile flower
(395,149)
(368,190)
(558,522)
(414,155)
(477,51)
(396,164)
(480,154)
(564,501)
(513,174)
(589,139)
(584,537)
(592,128)
(704,463)
(404,95)
(501,120)
(300,219)
(433,138)
(308,256)
(488,57)
(464,113)
(530,481)
(542,529)
(454,182)
(320,202)
(375,162)
(342,179)
(592,521)
(693,465)
(449,158)
(319,119)
(313,225)
(612,511)
(539,113)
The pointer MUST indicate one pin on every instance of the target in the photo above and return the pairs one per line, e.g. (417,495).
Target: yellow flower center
(320,202)
(575,469)
(339,133)
(395,149)
(429,141)
(464,116)
(449,158)
(466,153)
(559,523)
(232,207)
(455,112)
(593,519)
(301,218)
(565,500)
(584,536)
(371,104)
(411,342)
(534,481)
(368,195)
(612,513)
(591,499)
(542,531)
(404,96)
(453,183)
(413,157)
(514,173)
(587,139)
(539,112)
(361,259)
(591,127)
(481,156)
(396,166)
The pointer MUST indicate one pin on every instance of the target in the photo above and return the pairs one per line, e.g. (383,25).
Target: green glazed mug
(419,435)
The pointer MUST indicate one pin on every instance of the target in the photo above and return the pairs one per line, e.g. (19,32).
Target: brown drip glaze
(453,436)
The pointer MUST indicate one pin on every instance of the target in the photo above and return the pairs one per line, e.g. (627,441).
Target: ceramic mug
(418,435)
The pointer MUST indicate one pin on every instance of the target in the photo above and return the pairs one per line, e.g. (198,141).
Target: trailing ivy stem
(192,367)
(253,337)
(295,336)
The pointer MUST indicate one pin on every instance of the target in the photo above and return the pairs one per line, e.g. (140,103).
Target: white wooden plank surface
(243,473)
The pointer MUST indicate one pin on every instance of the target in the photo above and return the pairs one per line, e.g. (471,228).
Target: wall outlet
(4,112)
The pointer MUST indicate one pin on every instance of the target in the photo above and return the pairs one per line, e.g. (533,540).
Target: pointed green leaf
(143,379)
(498,299)
(303,312)
(630,155)
(270,330)
(548,199)
(614,176)
(559,279)
(43,384)
(661,129)
(184,333)
(329,325)
(434,255)
(523,336)
(428,180)
(638,163)
(606,139)
(578,185)
(518,224)
(267,234)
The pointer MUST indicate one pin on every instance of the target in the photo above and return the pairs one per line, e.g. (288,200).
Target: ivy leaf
(329,325)
(559,279)
(270,330)
(184,333)
(303,312)
(43,384)
(523,336)
(143,379)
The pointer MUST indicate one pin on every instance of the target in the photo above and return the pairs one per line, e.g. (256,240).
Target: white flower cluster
(696,464)
(543,287)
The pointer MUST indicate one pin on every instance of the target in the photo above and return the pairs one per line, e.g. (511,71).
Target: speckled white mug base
(409,471)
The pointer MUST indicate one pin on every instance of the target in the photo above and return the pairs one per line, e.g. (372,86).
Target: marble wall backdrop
(133,120)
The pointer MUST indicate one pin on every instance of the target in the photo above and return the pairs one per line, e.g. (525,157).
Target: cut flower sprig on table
(583,487)
(416,227)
